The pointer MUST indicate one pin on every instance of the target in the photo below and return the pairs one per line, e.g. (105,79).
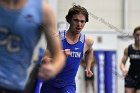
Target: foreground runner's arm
(48,71)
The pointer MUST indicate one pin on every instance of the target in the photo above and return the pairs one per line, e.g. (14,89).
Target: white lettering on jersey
(75,54)
(10,41)
(135,56)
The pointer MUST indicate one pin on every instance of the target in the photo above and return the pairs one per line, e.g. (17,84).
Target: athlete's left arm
(89,56)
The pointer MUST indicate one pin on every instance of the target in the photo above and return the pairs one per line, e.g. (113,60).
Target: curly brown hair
(76,9)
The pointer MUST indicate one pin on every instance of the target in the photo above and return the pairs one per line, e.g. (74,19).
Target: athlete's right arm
(123,62)
(53,44)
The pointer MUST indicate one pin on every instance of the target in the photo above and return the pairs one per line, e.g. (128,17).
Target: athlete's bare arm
(123,62)
(88,55)
(53,41)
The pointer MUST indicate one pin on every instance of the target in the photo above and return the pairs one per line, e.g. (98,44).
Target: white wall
(133,13)
(109,11)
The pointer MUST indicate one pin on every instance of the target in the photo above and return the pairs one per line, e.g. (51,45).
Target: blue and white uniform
(19,34)
(64,82)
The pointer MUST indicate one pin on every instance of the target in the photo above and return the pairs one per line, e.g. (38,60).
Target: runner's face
(77,23)
(137,36)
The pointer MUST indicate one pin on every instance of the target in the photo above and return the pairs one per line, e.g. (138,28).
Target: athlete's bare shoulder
(89,42)
(126,51)
(48,13)
(46,6)
(49,19)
